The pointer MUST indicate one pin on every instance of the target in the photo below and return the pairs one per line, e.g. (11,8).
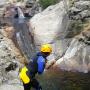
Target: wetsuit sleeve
(41,64)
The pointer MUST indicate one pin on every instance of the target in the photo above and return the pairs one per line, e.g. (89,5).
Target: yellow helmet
(46,48)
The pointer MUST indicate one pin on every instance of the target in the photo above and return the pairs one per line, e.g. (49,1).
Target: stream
(64,80)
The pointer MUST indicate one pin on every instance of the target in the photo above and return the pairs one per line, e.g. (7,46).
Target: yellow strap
(23,76)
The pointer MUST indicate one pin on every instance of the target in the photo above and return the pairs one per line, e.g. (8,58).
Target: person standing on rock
(37,65)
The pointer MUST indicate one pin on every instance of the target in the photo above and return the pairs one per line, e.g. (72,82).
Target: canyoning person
(37,65)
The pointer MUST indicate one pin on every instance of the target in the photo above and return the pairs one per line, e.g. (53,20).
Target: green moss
(46,3)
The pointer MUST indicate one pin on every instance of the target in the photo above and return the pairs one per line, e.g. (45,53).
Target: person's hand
(50,64)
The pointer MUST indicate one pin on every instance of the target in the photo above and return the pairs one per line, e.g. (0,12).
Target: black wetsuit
(35,66)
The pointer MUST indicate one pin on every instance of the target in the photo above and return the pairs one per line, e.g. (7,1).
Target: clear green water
(62,80)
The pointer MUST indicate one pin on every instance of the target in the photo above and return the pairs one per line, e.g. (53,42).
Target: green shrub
(45,3)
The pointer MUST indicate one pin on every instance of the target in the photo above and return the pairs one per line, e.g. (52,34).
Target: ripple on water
(63,80)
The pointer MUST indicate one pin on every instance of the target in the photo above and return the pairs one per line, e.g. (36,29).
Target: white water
(85,68)
(19,41)
(21,15)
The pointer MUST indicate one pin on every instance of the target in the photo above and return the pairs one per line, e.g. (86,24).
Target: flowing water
(63,80)
(21,17)
(23,36)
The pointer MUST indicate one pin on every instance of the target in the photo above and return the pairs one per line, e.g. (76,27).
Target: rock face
(77,56)
(80,10)
(50,26)
(9,61)
(11,87)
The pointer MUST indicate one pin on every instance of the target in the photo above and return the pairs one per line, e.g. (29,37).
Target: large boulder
(50,26)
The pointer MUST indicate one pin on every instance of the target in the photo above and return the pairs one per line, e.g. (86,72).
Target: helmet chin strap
(46,54)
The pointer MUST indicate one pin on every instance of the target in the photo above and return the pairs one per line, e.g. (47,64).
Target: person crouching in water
(37,65)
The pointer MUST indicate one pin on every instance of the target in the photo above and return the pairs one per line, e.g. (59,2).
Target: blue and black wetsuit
(37,65)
